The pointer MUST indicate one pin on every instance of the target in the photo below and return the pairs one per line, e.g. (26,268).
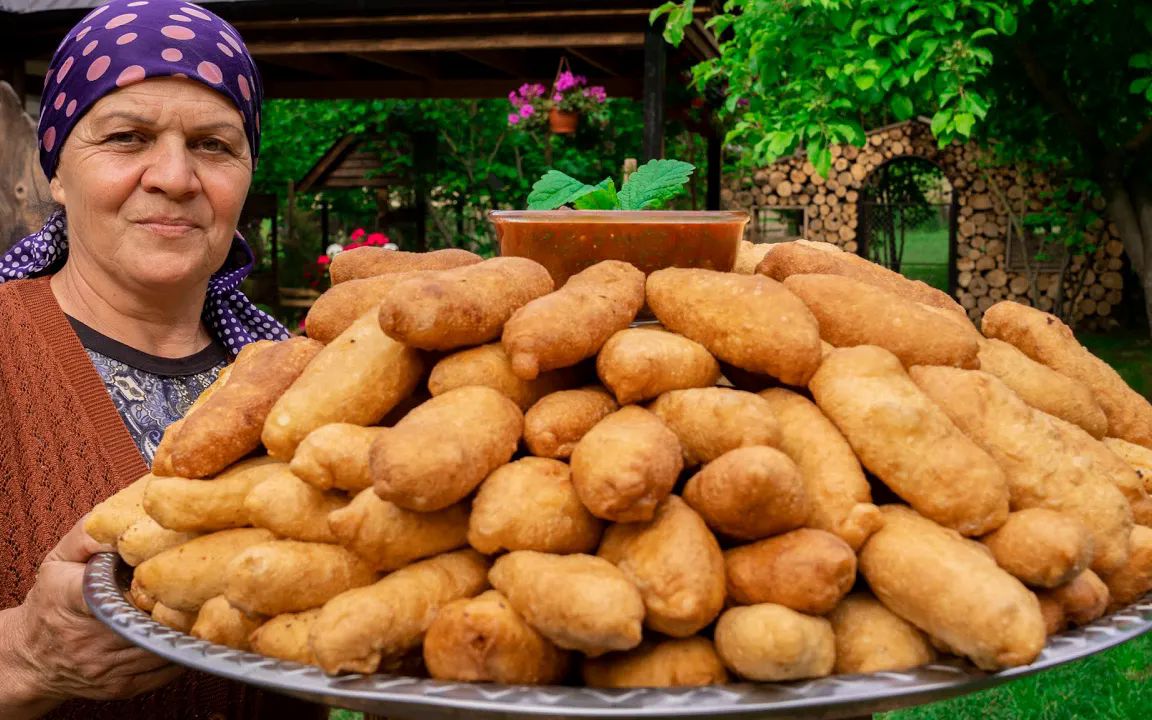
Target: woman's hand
(52,649)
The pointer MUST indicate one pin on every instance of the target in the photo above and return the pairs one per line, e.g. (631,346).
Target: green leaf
(602,198)
(875,39)
(555,189)
(820,156)
(983,32)
(940,122)
(964,123)
(864,82)
(654,182)
(1141,61)
(1006,22)
(902,107)
(779,142)
(1139,85)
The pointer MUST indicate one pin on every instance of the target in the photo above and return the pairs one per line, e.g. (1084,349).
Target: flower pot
(563,122)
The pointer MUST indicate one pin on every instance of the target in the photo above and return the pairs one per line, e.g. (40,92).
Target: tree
(1063,84)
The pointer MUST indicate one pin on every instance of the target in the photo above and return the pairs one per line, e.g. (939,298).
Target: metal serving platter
(406,698)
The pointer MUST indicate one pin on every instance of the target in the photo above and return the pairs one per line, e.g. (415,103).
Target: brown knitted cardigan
(63,448)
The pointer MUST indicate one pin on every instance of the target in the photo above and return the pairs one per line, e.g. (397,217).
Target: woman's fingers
(77,546)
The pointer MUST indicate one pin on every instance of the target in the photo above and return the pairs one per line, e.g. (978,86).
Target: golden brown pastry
(1133,580)
(463,306)
(750,493)
(335,457)
(357,378)
(389,537)
(1042,548)
(292,508)
(579,602)
(839,495)
(1138,457)
(204,505)
(1085,598)
(1041,469)
(227,427)
(443,449)
(141,598)
(484,640)
(110,518)
(852,312)
(772,643)
(951,588)
(1044,338)
(641,363)
(186,576)
(678,662)
(220,623)
(675,562)
(625,465)
(489,365)
(871,638)
(1055,621)
(750,321)
(285,637)
(175,619)
(749,255)
(1042,387)
(286,576)
(145,538)
(1095,458)
(711,421)
(806,570)
(341,305)
(358,630)
(909,442)
(554,425)
(531,504)
(367,261)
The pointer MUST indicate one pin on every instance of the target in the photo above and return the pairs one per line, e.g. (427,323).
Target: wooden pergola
(413,48)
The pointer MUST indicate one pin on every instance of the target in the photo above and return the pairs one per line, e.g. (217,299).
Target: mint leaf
(602,198)
(555,189)
(653,183)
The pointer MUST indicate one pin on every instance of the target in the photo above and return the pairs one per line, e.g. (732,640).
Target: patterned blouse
(150,392)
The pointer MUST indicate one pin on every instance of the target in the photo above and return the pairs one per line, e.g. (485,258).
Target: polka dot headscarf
(120,43)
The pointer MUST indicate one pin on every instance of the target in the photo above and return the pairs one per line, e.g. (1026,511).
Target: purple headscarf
(120,43)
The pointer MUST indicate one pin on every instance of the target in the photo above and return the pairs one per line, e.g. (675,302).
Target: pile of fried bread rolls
(466,473)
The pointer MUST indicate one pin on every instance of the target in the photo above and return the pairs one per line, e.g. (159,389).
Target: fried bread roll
(711,421)
(203,505)
(1044,338)
(367,261)
(358,630)
(484,640)
(463,306)
(1042,470)
(554,425)
(145,538)
(840,497)
(871,638)
(625,465)
(566,326)
(389,537)
(111,517)
(489,365)
(141,598)
(357,378)
(1085,598)
(641,363)
(285,637)
(1042,387)
(223,624)
(852,312)
(750,321)
(951,588)
(1133,580)
(749,255)
(1042,548)
(579,602)
(341,305)
(443,449)
(1138,457)
(1096,458)
(531,504)
(795,258)
(286,576)
(682,662)
(227,426)
(749,493)
(772,643)
(675,562)
(806,570)
(292,508)
(187,576)
(176,619)
(909,442)
(1055,620)
(335,457)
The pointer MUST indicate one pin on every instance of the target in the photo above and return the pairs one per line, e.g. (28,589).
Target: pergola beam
(497,60)
(409,64)
(602,64)
(448,18)
(446,44)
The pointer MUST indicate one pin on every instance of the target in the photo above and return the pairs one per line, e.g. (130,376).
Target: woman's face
(153,179)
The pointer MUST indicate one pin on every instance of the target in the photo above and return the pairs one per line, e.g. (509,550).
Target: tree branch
(1057,98)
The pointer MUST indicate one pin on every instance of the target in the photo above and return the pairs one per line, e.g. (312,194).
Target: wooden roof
(351,162)
(407,48)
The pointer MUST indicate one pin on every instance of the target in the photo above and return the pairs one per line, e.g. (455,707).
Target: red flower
(377,239)
(323,260)
(357,234)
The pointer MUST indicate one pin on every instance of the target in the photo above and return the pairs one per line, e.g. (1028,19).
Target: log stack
(1094,285)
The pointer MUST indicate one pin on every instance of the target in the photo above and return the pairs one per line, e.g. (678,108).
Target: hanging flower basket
(559,108)
(563,122)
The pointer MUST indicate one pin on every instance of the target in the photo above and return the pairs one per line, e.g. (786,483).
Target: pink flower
(376,238)
(323,260)
(557,97)
(357,234)
(526,111)
(513,118)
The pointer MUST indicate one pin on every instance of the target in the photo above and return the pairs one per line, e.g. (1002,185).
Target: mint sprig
(654,183)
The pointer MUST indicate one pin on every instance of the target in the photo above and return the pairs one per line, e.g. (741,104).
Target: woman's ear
(57,189)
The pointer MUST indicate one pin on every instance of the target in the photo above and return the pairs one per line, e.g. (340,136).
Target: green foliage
(654,183)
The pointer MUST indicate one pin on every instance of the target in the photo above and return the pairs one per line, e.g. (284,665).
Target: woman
(113,318)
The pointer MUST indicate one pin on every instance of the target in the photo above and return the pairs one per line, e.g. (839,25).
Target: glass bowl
(567,241)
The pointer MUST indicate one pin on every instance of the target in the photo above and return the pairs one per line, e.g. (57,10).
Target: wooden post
(655,67)
(715,170)
(324,207)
